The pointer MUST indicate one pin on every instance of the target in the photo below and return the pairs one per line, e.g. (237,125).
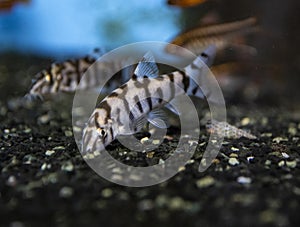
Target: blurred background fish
(223,35)
(8,4)
(186,3)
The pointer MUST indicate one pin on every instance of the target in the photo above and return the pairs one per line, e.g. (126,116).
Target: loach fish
(220,35)
(146,92)
(65,77)
(185,3)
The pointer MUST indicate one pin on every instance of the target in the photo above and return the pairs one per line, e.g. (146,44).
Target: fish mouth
(91,143)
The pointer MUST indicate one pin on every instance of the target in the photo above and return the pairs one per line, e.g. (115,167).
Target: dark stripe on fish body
(134,77)
(114,95)
(104,105)
(122,87)
(138,103)
(171,77)
(204,55)
(185,81)
(172,85)
(118,111)
(160,94)
(131,117)
(126,105)
(139,84)
(149,101)
(96,120)
(194,91)
(111,133)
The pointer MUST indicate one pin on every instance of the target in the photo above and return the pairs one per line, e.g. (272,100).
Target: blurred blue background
(69,27)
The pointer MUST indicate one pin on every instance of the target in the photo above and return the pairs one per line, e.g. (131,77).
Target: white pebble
(233,161)
(244,180)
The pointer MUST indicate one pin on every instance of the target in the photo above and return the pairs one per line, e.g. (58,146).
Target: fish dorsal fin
(147,67)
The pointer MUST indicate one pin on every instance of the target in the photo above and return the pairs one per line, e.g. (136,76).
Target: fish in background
(186,3)
(8,4)
(225,35)
(65,77)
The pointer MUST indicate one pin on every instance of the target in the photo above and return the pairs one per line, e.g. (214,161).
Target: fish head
(98,132)
(43,85)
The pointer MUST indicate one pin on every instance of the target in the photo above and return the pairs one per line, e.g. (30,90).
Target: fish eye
(102,132)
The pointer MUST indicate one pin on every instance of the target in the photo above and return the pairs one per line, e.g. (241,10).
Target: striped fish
(186,3)
(220,35)
(126,110)
(9,4)
(64,77)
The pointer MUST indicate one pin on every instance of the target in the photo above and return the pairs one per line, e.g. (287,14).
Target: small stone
(49,152)
(285,155)
(176,203)
(181,168)
(156,142)
(59,148)
(161,200)
(161,161)
(202,144)
(68,133)
(66,192)
(266,134)
(135,177)
(168,137)
(68,166)
(250,158)
(45,166)
(233,161)
(244,180)
(279,139)
(28,159)
(27,130)
(116,177)
(245,121)
(234,149)
(144,140)
(292,131)
(205,182)
(150,154)
(146,204)
(268,162)
(233,155)
(106,193)
(11,181)
(44,119)
(16,224)
(264,121)
(296,191)
(291,164)
(281,163)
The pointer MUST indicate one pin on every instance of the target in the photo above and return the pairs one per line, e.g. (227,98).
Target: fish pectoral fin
(171,107)
(158,118)
(147,67)
(139,124)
